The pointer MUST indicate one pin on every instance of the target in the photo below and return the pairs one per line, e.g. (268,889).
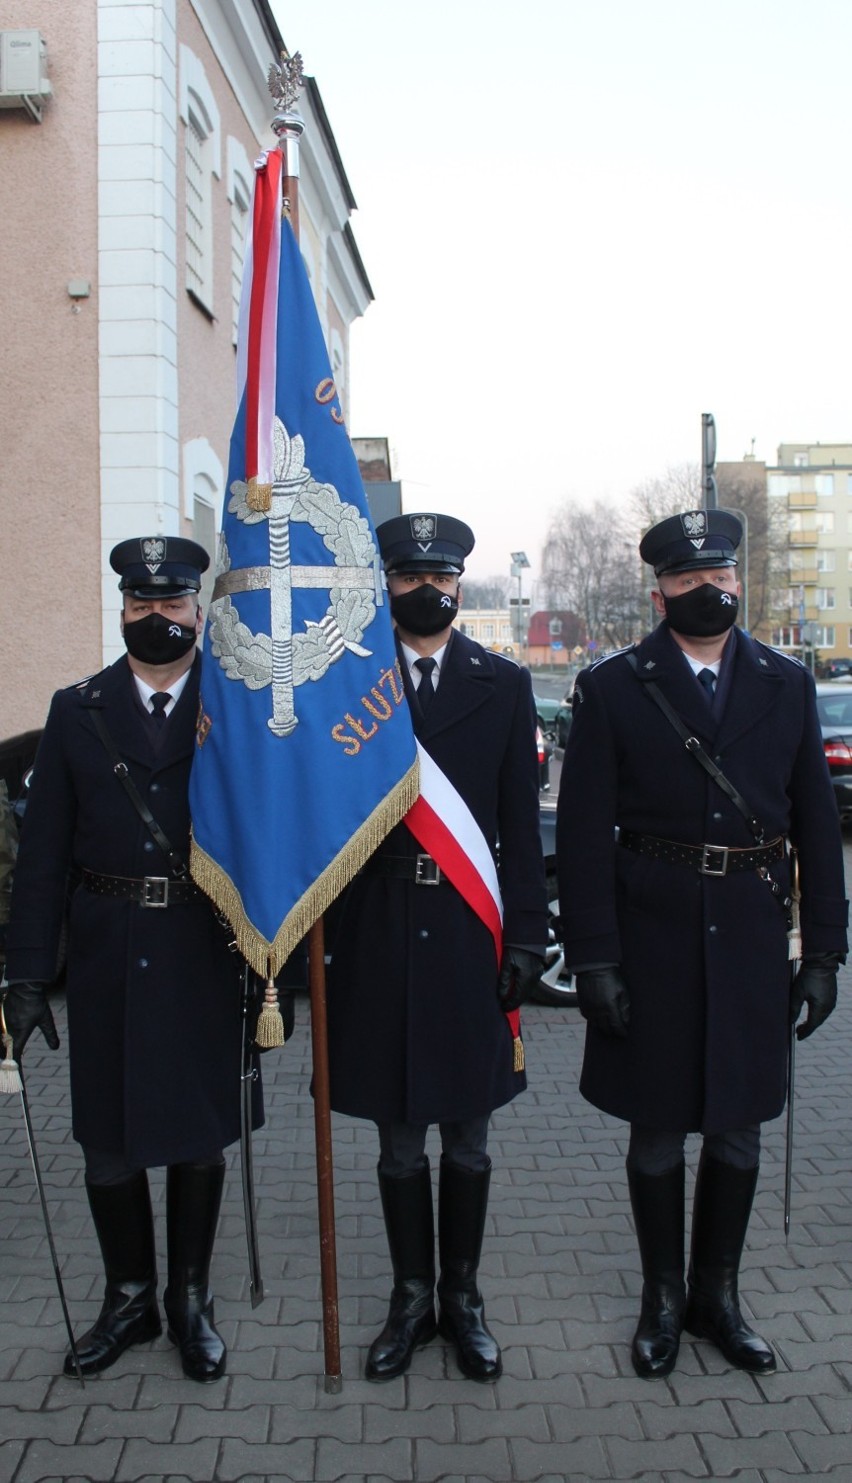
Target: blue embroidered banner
(306,756)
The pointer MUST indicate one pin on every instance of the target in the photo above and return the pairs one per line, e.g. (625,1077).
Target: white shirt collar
(411,657)
(146,691)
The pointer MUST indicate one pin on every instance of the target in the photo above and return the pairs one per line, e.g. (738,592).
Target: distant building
(384,493)
(552,639)
(813,608)
(491,627)
(124,215)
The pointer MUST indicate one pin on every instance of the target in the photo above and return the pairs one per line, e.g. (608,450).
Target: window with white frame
(202,161)
(825,561)
(824,522)
(199,212)
(239,196)
(824,635)
(825,598)
(824,484)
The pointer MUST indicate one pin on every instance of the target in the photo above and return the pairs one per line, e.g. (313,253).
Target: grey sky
(585,224)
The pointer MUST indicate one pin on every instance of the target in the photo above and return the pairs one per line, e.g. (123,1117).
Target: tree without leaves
(590,565)
(490,592)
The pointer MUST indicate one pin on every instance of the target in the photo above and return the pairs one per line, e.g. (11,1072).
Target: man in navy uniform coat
(677,928)
(417,1028)
(153,991)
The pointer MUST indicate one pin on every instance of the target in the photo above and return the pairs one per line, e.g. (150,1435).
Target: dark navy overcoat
(705,959)
(415,1029)
(153,994)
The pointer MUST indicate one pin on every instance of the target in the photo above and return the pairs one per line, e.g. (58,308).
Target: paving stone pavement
(561,1278)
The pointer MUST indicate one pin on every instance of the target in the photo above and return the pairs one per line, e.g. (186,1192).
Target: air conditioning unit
(23,69)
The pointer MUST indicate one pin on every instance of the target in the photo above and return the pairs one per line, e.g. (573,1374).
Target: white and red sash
(442,823)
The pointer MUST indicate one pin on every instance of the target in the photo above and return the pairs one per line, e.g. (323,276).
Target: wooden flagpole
(285,81)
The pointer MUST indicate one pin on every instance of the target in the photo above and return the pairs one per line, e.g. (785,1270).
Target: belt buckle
(155,890)
(427,871)
(709,850)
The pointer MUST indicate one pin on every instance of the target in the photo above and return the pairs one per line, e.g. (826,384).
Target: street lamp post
(520,564)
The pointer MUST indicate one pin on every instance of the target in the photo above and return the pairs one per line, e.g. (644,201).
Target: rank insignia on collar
(474,660)
(764,662)
(651,664)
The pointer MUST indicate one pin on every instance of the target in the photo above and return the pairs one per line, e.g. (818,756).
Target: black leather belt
(151,890)
(707,859)
(421,869)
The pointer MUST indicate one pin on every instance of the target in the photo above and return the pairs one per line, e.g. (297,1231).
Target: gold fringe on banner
(268,958)
(518,1060)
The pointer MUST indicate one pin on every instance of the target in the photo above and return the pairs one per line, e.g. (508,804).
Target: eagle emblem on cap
(694,523)
(153,553)
(424,527)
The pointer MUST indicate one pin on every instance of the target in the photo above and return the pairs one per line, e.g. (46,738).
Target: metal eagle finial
(285,79)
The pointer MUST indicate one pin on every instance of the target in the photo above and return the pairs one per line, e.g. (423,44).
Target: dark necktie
(707,679)
(159,701)
(425,690)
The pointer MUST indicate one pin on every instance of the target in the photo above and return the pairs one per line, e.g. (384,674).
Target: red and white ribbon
(443,824)
(257,335)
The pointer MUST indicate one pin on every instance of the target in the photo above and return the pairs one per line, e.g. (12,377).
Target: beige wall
(49,472)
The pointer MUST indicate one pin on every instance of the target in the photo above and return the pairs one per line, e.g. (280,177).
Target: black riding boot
(410,1226)
(462,1204)
(657,1202)
(125,1231)
(723,1200)
(193,1197)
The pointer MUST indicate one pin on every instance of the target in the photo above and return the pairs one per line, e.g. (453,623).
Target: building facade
(813,609)
(124,214)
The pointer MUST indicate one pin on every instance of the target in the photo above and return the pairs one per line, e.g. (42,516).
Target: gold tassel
(519,1061)
(10,1076)
(259,496)
(270,1025)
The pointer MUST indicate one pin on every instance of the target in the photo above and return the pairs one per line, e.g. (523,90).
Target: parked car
(545,752)
(835,669)
(554,717)
(834,705)
(556,985)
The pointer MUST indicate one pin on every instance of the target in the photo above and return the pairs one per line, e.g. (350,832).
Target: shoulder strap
(177,864)
(695,749)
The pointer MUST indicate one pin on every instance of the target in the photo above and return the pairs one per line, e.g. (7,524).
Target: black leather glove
(815,984)
(520,971)
(25,1009)
(603,999)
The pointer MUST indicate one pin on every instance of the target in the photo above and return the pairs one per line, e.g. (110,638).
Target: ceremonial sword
(14,1072)
(248,1074)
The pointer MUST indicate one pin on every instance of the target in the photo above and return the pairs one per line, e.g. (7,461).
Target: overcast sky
(585,223)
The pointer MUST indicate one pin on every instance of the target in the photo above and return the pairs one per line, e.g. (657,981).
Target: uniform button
(143,962)
(149,844)
(423,932)
(714,929)
(155,787)
(717,816)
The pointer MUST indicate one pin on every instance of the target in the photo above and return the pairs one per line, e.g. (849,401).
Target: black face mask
(424,610)
(158,640)
(704,612)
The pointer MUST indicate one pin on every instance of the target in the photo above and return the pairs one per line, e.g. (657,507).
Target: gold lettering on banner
(358,728)
(341,736)
(326,394)
(383,710)
(376,705)
(202,726)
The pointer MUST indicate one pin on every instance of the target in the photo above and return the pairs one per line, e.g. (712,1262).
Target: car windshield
(835,710)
